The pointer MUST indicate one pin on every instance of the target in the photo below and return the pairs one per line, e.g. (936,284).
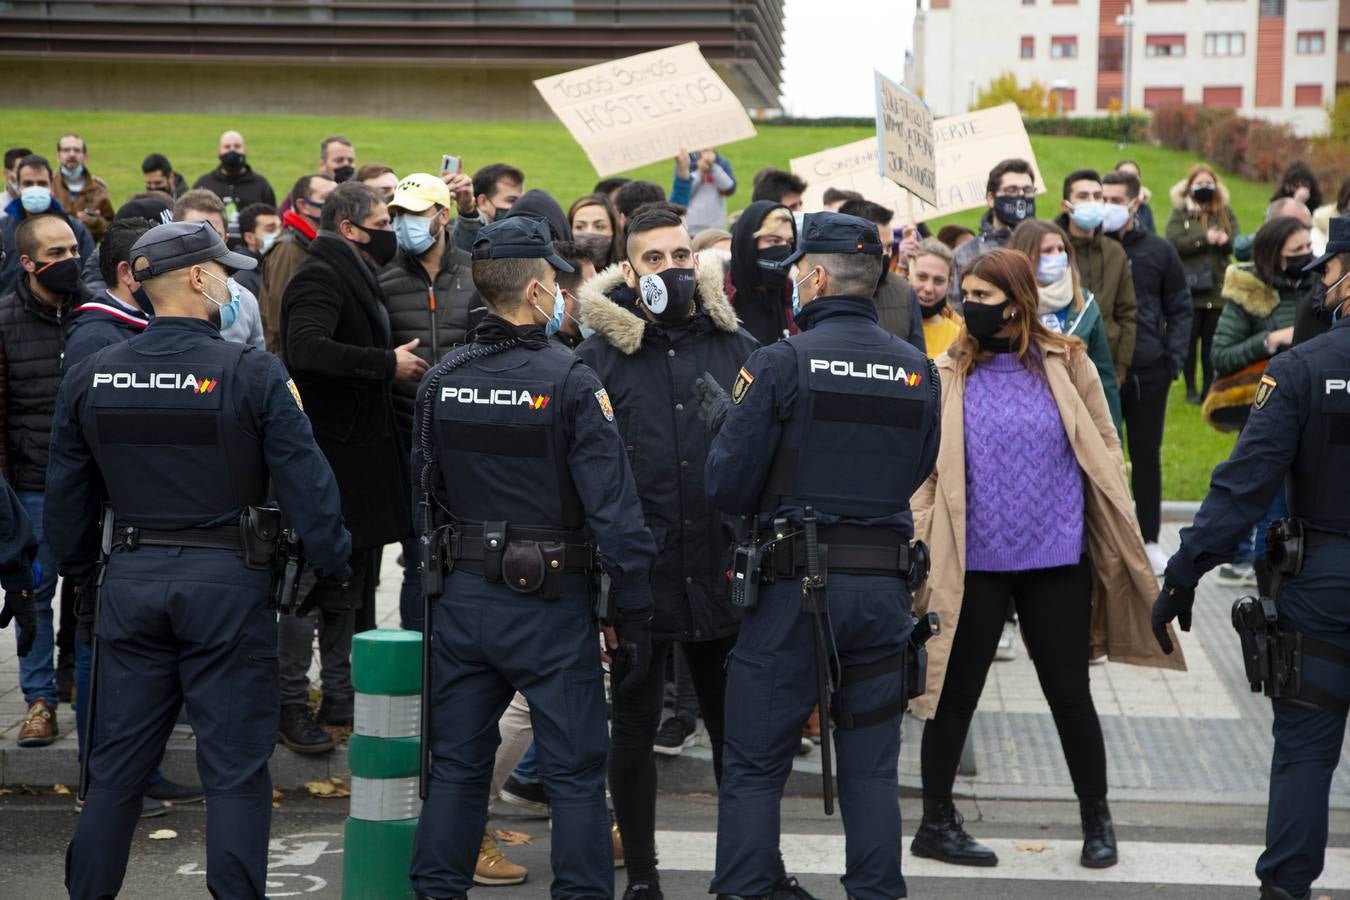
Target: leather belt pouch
(530,567)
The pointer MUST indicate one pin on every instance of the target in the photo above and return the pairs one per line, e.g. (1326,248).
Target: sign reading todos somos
(645,108)
(965,148)
(905,140)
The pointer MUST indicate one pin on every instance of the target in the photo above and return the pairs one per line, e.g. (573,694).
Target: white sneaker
(1007,642)
(1156,557)
(1236,575)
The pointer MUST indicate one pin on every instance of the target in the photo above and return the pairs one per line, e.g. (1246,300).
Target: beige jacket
(1123,584)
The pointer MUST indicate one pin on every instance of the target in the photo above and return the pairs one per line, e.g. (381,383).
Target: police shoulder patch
(295,392)
(1264,389)
(743,381)
(602,397)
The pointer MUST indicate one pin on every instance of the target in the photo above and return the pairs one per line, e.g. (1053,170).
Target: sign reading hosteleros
(646,108)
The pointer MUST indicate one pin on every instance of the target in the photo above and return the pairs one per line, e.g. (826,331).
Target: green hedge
(1128,129)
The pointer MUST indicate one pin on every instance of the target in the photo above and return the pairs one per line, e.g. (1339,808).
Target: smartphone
(449,164)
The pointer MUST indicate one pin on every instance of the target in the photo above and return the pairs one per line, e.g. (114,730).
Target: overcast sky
(830,48)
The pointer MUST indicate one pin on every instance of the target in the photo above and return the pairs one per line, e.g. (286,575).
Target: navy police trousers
(771,689)
(175,627)
(487,643)
(1307,738)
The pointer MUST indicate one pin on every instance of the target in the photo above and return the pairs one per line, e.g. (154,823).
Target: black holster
(1285,545)
(431,563)
(602,595)
(288,564)
(916,654)
(260,529)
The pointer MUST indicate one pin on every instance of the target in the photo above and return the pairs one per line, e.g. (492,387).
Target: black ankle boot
(941,837)
(1099,836)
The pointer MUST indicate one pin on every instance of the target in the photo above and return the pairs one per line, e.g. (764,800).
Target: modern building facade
(1275,59)
(464,59)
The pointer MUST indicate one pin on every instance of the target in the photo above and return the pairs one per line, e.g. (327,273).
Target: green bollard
(383,755)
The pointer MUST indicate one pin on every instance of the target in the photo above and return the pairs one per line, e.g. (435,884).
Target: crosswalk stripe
(1023,859)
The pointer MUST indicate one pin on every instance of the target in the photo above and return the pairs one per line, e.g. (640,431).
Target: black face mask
(232,161)
(771,262)
(984,321)
(668,295)
(381,247)
(1203,195)
(61,277)
(343,173)
(930,311)
(1012,211)
(1293,266)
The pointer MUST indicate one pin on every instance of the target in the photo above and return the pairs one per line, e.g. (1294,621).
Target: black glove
(1174,602)
(327,594)
(712,401)
(634,654)
(21,606)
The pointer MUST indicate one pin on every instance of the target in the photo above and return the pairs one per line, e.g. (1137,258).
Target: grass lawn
(285,147)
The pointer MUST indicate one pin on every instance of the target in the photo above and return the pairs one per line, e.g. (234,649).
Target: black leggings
(1055,608)
(1203,322)
(1143,399)
(632,762)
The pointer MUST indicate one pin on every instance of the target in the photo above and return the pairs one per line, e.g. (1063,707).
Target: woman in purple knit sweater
(1033,484)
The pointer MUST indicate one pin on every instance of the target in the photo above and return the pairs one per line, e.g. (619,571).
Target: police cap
(177,245)
(831,232)
(518,237)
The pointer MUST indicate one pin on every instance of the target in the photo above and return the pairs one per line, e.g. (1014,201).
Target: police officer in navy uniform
(843,419)
(518,469)
(179,432)
(1299,430)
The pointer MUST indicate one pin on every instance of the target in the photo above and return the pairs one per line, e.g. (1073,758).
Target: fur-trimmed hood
(1241,285)
(623,328)
(1182,200)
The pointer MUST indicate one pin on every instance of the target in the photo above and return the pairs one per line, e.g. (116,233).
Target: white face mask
(1116,218)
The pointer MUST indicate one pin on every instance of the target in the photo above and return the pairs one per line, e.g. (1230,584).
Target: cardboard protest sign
(905,140)
(966,147)
(645,108)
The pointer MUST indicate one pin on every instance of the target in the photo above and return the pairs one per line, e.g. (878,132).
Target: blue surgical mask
(36,199)
(796,297)
(73,173)
(267,241)
(1051,267)
(1089,214)
(555,322)
(586,330)
(229,311)
(413,234)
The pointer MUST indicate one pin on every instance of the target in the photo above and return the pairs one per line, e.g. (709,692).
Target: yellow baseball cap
(420,191)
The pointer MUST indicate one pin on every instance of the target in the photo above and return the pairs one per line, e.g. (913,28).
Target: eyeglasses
(1029,191)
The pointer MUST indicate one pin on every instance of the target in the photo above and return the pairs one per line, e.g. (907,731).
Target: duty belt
(853,549)
(469,546)
(222,537)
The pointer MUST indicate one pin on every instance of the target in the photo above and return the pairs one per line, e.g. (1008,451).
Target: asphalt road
(1181,852)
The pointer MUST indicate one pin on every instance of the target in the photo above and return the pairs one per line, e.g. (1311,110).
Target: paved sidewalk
(1197,736)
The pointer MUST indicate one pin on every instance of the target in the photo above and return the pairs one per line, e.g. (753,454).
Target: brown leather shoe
(495,870)
(39,727)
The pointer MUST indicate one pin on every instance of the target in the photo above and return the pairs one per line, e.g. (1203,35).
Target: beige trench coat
(1123,584)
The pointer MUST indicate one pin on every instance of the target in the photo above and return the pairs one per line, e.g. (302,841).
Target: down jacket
(1254,310)
(649,371)
(406,289)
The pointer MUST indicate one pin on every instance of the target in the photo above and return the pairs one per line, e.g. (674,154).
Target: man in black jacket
(32,321)
(1163,321)
(660,323)
(235,182)
(335,327)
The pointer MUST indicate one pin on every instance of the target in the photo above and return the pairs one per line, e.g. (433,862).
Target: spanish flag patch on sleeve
(1263,390)
(743,381)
